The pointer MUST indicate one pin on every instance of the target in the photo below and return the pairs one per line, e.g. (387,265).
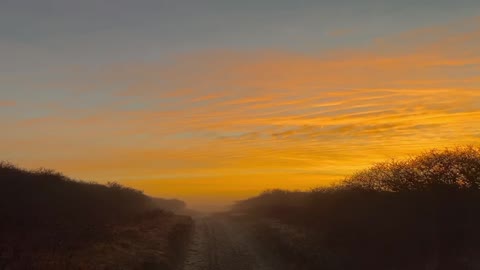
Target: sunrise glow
(217,120)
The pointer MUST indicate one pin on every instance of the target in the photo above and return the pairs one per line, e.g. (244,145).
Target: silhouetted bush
(457,168)
(419,213)
(173,205)
(45,209)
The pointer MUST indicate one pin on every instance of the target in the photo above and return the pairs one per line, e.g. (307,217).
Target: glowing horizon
(211,125)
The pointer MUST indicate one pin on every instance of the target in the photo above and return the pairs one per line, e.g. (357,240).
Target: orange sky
(215,126)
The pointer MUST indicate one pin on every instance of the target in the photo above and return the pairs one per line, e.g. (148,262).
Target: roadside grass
(49,221)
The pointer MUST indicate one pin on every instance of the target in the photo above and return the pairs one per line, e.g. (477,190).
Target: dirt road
(220,244)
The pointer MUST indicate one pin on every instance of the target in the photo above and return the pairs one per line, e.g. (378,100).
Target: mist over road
(220,244)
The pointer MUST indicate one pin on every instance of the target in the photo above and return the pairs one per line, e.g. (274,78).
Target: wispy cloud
(7,103)
(226,118)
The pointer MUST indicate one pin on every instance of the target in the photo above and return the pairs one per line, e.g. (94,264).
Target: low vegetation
(418,213)
(49,221)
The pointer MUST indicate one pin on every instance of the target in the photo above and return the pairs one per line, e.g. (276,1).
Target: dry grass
(153,243)
(49,221)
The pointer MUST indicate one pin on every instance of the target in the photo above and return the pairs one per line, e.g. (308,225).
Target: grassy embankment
(419,213)
(49,221)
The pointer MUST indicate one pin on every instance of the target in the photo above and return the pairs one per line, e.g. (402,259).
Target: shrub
(418,213)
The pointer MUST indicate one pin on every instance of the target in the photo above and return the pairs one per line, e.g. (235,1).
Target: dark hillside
(46,198)
(420,213)
(45,214)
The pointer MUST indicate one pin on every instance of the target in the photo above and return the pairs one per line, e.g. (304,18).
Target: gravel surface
(219,244)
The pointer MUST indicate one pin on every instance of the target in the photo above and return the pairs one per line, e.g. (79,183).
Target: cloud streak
(219,121)
(7,103)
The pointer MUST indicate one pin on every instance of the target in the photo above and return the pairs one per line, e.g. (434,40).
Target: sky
(215,101)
